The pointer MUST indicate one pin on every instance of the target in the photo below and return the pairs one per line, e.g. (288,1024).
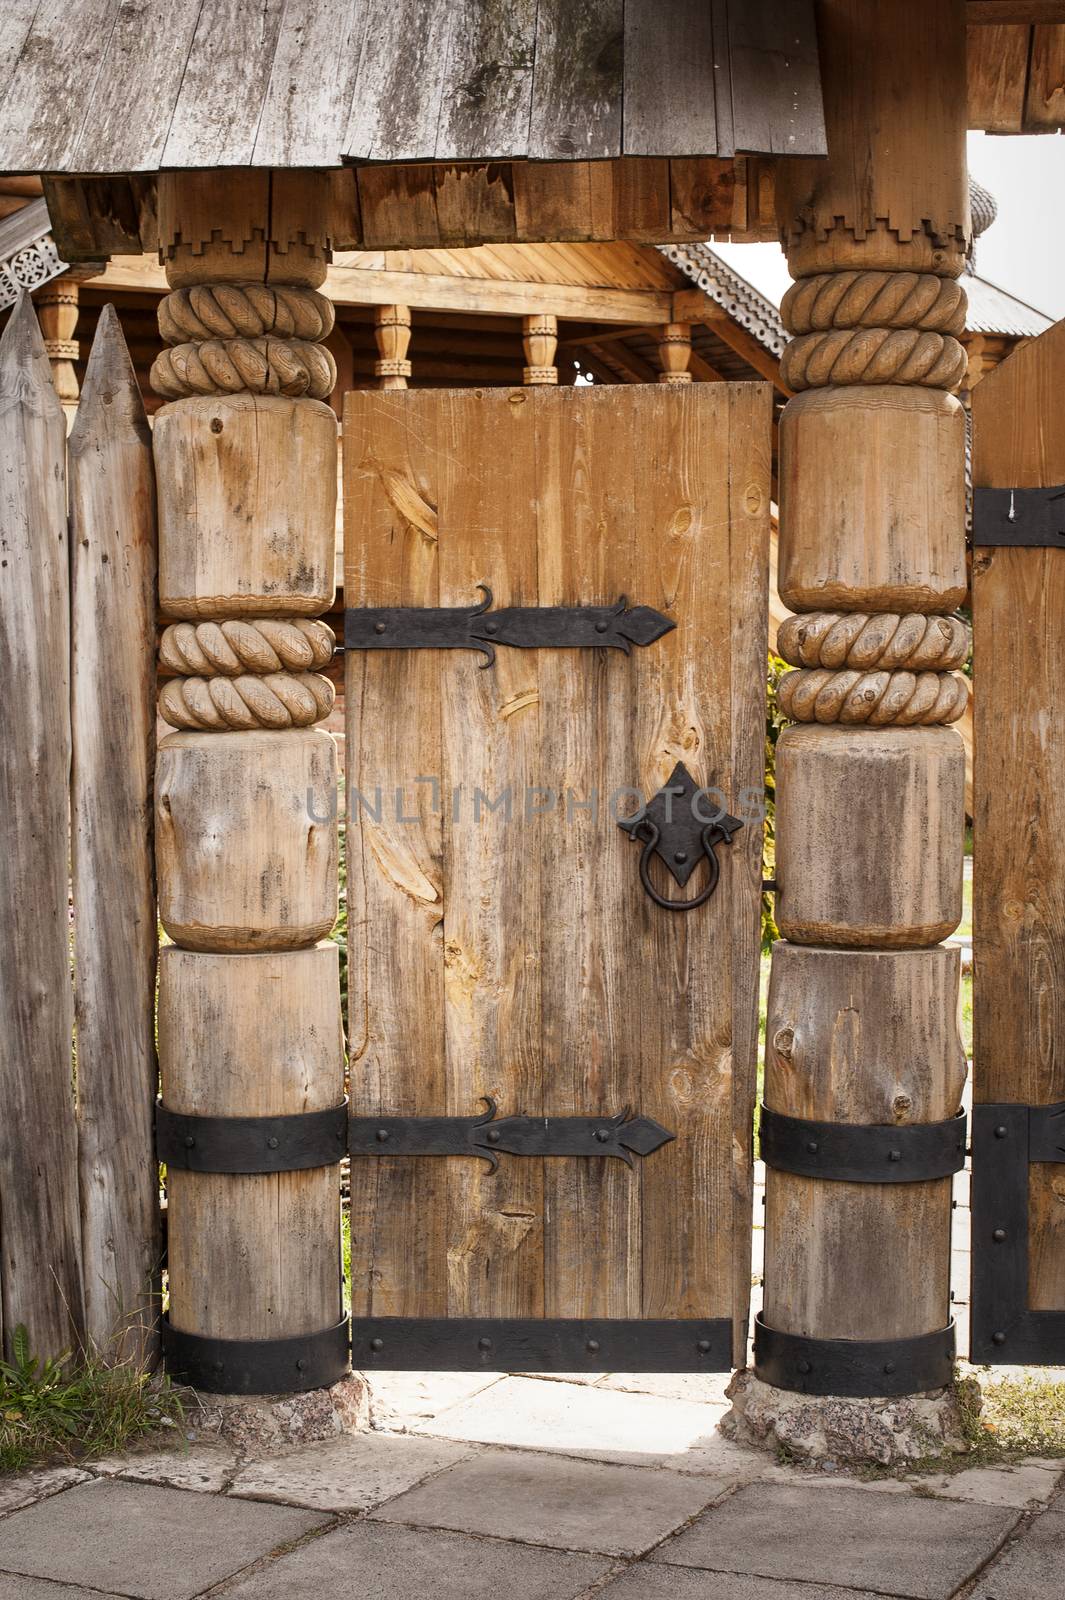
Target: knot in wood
(874,300)
(877,699)
(255,644)
(276,700)
(883,639)
(244,311)
(254,366)
(873,355)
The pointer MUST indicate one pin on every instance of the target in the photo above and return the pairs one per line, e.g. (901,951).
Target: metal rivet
(998,1235)
(894,1155)
(377,1344)
(484,1343)
(491,627)
(379,627)
(998,1338)
(492,1136)
(383,1135)
(592,1347)
(1000,1131)
(889,1367)
(603,1135)
(600,627)
(301,1365)
(272,1142)
(703,1347)
(219,1366)
(804,1366)
(812,1147)
(189,1141)
(680,857)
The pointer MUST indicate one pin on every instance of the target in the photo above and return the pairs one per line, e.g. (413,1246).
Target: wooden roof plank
(64,45)
(395,107)
(776,82)
(312,80)
(16,20)
(669,103)
(487,91)
(223,88)
(143,67)
(577,81)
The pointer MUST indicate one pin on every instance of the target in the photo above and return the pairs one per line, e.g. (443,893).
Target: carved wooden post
(249,1010)
(674,352)
(57,312)
(540,339)
(862,1026)
(392,333)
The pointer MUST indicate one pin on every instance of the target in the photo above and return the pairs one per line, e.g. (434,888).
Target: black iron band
(1019,516)
(844,1152)
(622,1135)
(853,1367)
(531,1344)
(257,1366)
(251,1144)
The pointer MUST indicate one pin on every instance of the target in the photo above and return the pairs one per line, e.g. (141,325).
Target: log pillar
(862,1017)
(249,1004)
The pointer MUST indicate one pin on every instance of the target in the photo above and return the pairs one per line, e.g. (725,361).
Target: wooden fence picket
(113,535)
(40,1273)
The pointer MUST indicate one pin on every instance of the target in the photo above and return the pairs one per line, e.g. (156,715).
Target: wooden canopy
(98,86)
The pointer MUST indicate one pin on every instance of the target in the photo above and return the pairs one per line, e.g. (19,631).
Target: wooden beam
(991,12)
(440,292)
(702,369)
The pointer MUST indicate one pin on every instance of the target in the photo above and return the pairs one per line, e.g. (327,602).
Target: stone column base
(816,1428)
(261,1424)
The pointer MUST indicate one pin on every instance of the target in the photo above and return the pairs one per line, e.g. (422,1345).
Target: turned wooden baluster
(392,335)
(249,1004)
(674,352)
(862,1004)
(540,341)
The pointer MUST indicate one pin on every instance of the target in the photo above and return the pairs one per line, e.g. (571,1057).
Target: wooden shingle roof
(113,86)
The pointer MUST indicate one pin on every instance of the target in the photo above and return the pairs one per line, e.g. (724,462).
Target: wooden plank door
(501,946)
(1018,1301)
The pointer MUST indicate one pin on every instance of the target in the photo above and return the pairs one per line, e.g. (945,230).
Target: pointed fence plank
(40,1274)
(112,507)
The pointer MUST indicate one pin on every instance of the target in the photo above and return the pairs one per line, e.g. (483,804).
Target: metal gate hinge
(1033,517)
(616,627)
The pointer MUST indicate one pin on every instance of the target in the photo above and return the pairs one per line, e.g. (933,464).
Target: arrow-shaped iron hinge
(622,1135)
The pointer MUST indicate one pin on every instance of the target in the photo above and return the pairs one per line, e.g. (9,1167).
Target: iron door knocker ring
(708,838)
(675,826)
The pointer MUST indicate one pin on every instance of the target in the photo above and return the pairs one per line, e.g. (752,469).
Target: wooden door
(1018,1298)
(501,946)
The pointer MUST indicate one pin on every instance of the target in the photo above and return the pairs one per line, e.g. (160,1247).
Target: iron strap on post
(1034,517)
(535,1344)
(1007,1139)
(251,1144)
(522,627)
(860,1368)
(845,1152)
(257,1366)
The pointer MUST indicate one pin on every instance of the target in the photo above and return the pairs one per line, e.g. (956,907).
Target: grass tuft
(1006,1419)
(67,1410)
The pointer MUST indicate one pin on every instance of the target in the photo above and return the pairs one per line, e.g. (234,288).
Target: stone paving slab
(1031,1567)
(603,1425)
(27,1487)
(379,1561)
(646,1582)
(706,1388)
(556,1501)
(398,1399)
(151,1543)
(349,1474)
(207,1468)
(1024,1486)
(923,1550)
(19,1588)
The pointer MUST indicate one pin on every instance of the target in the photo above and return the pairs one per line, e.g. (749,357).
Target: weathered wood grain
(1044,101)
(40,1233)
(1019,714)
(42,123)
(137,86)
(868,823)
(113,536)
(245,838)
(775,84)
(577,81)
(864,1037)
(252,1256)
(997,71)
(395,116)
(223,85)
(486,92)
(247,506)
(518,938)
(312,76)
(669,101)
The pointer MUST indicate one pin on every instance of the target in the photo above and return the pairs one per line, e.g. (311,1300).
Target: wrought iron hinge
(616,627)
(622,1135)
(1034,517)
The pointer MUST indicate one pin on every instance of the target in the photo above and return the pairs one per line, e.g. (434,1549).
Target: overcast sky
(1024,249)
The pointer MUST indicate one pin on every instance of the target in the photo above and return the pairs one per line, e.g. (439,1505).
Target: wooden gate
(1018,1305)
(502,949)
